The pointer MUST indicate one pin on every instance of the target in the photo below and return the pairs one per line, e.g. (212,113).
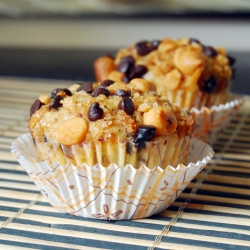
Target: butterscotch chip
(116,86)
(172,79)
(71,131)
(44,99)
(167,45)
(103,66)
(115,75)
(187,60)
(142,85)
(164,120)
(190,82)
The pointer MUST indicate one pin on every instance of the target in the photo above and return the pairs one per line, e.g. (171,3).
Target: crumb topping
(172,65)
(106,111)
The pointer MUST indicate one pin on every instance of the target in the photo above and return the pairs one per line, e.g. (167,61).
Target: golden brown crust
(106,117)
(180,64)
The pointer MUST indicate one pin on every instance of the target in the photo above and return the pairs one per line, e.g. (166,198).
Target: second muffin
(190,73)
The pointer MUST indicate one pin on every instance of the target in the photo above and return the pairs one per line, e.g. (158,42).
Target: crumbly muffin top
(106,111)
(171,65)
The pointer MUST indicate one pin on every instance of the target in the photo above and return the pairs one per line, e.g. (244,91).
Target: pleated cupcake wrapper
(110,193)
(210,122)
(164,150)
(196,99)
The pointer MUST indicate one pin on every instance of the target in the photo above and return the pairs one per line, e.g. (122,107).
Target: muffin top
(171,65)
(106,111)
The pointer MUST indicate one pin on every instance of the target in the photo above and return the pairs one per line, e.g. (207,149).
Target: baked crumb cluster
(106,111)
(171,65)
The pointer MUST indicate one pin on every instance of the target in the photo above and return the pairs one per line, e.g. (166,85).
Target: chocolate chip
(194,40)
(100,91)
(123,67)
(67,92)
(140,70)
(35,106)
(210,51)
(137,72)
(107,83)
(210,85)
(143,48)
(55,91)
(55,104)
(144,133)
(155,43)
(86,86)
(129,148)
(127,105)
(170,120)
(126,79)
(232,60)
(123,93)
(141,145)
(129,59)
(95,112)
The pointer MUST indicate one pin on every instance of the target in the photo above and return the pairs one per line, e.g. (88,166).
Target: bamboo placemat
(213,212)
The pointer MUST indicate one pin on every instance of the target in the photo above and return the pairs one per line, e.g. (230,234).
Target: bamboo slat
(213,212)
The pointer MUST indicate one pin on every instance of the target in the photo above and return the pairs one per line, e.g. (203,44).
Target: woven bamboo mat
(213,212)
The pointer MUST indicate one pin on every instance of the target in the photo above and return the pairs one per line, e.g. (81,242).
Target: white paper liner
(162,151)
(195,99)
(210,122)
(110,193)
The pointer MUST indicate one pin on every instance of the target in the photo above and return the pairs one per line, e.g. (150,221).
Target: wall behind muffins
(113,33)
(47,40)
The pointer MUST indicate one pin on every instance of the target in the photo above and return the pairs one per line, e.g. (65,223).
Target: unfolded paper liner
(110,193)
(210,122)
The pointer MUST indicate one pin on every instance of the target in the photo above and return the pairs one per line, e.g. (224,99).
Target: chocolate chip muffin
(190,73)
(110,122)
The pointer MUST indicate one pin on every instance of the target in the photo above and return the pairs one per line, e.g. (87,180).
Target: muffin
(110,122)
(191,74)
(110,150)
